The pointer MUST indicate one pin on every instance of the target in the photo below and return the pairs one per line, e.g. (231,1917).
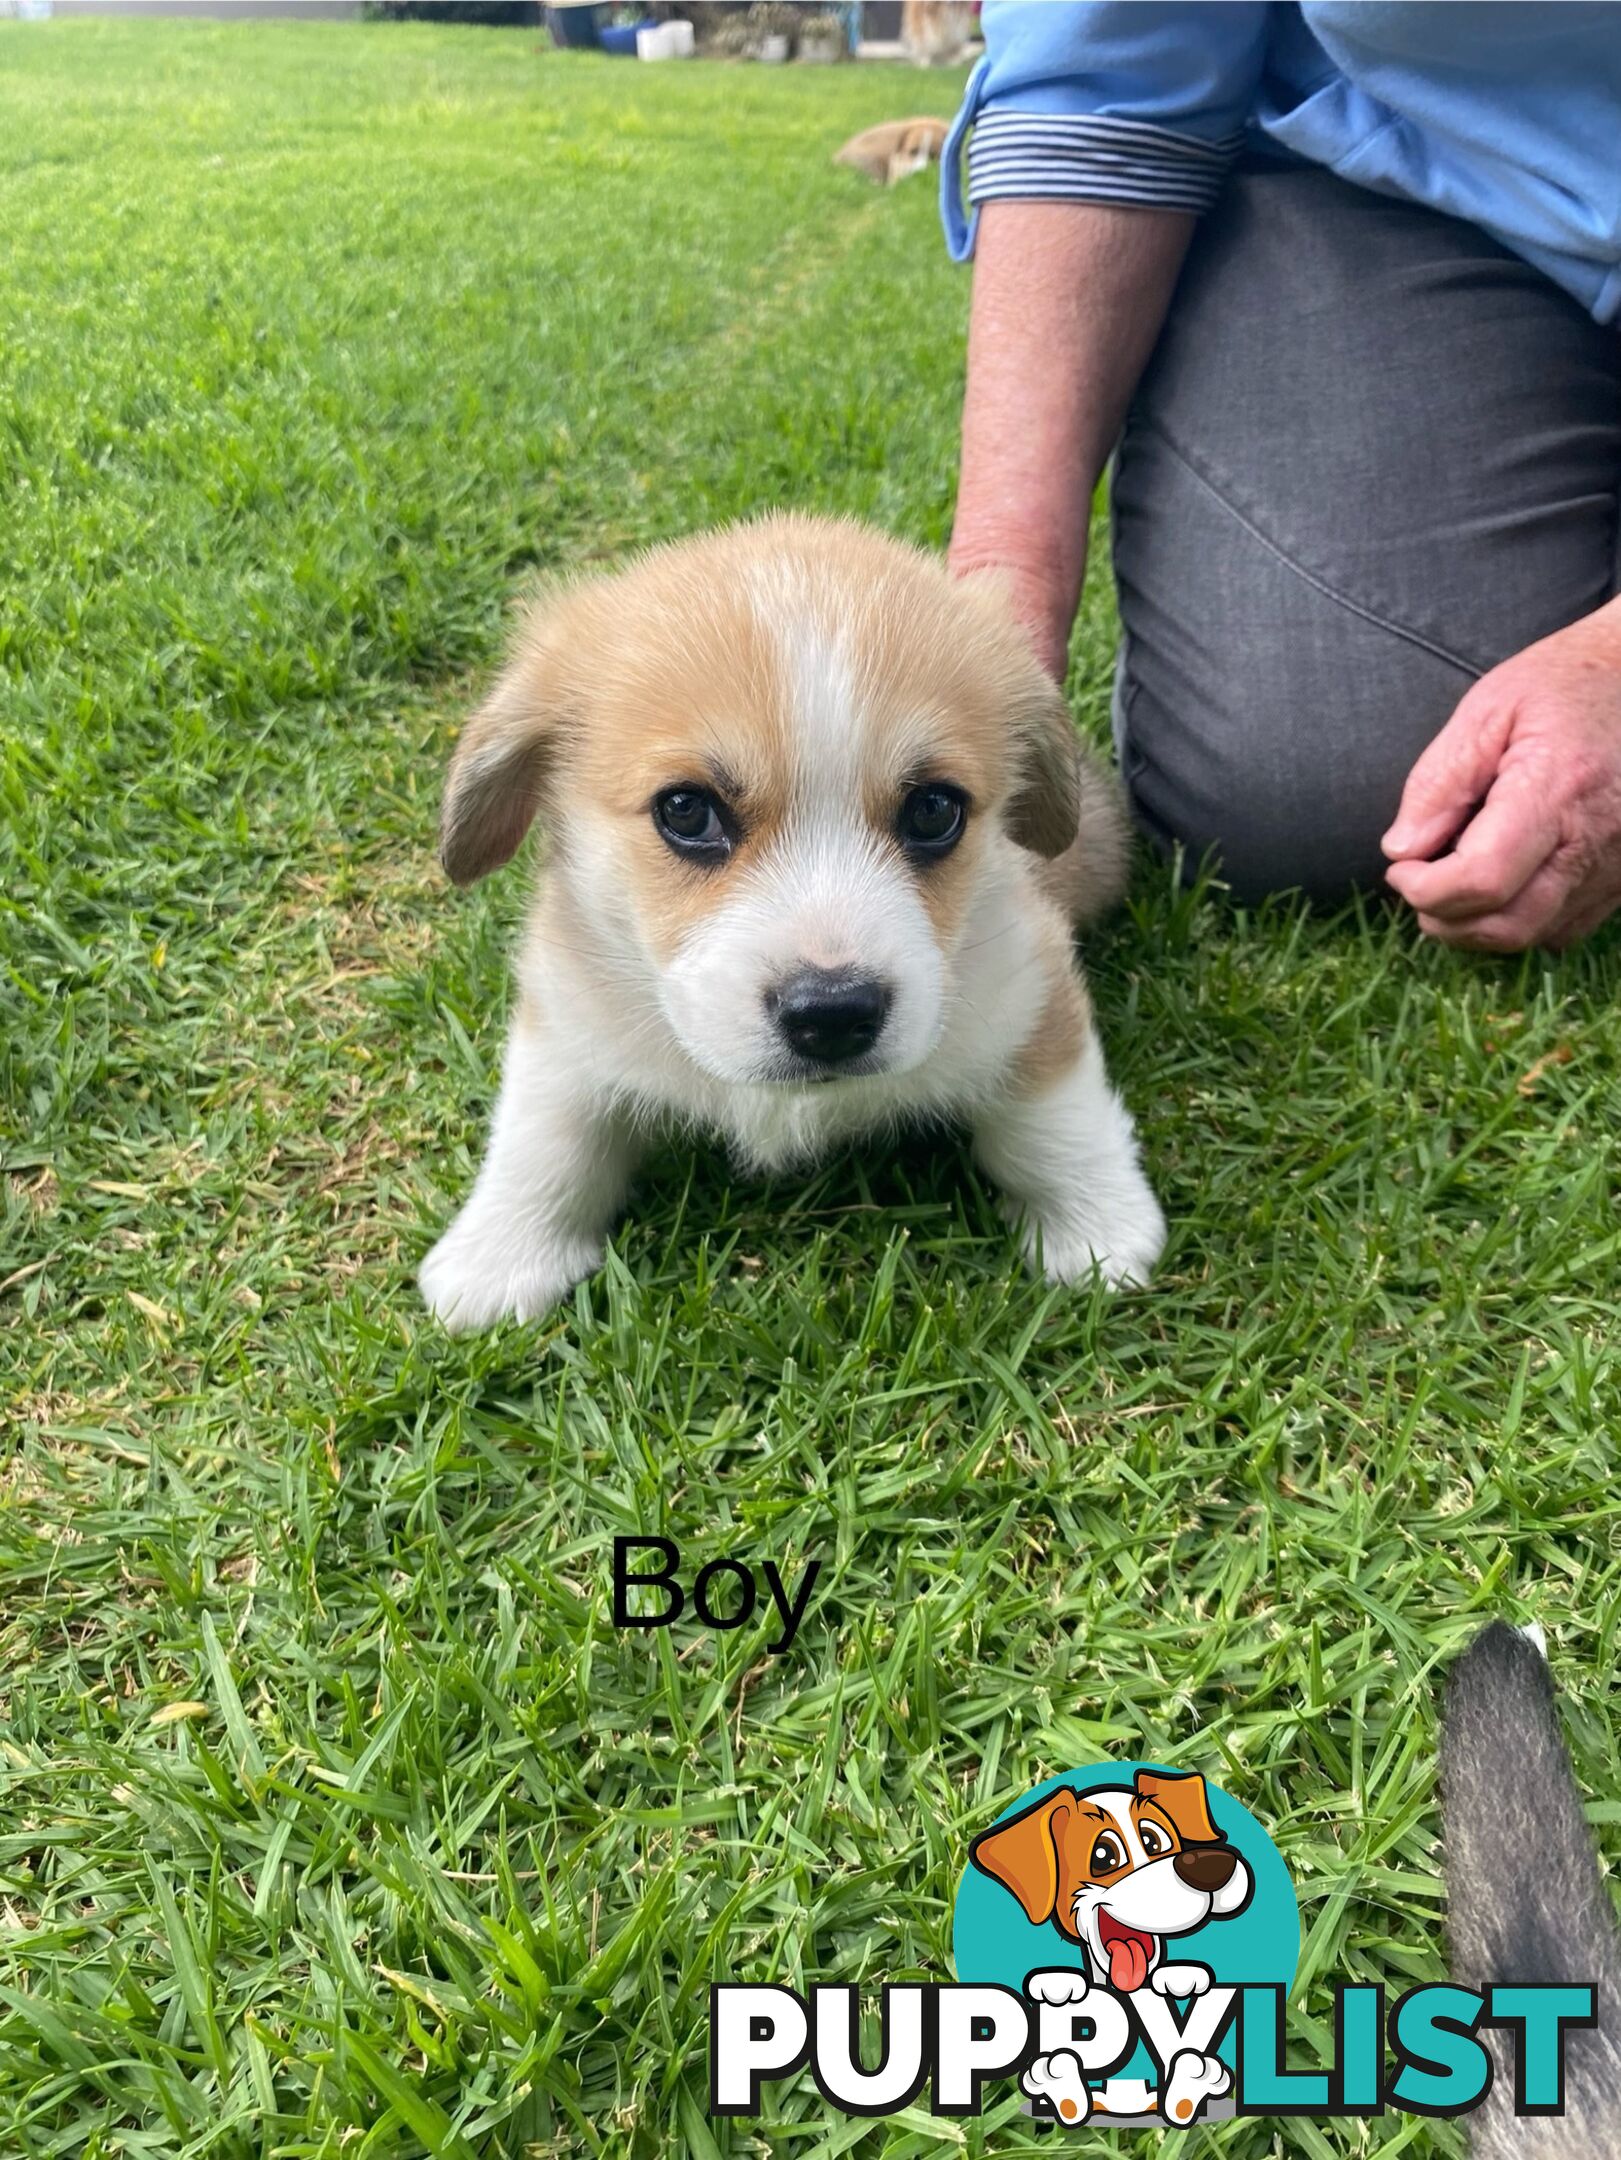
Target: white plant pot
(665,41)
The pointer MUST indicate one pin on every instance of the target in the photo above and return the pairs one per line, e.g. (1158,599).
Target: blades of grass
(250,1763)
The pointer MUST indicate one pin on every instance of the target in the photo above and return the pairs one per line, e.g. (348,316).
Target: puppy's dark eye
(690,819)
(1108,1854)
(1153,1841)
(932,818)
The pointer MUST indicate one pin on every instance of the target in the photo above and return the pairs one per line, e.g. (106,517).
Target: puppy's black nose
(829,1016)
(1207,1869)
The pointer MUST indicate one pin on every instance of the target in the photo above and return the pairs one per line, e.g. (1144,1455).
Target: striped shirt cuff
(1076,157)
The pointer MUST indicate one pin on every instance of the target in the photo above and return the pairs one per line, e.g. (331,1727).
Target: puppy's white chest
(776,1130)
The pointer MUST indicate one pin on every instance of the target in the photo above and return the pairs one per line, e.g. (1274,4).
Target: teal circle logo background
(993,1942)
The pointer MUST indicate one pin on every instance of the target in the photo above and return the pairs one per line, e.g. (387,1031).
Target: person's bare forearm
(1068,300)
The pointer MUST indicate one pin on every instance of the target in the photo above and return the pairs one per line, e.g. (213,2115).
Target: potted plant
(822,38)
(774,26)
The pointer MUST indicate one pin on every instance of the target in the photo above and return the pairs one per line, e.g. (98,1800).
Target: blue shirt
(1507,114)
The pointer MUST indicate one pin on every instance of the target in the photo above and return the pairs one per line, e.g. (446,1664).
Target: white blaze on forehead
(819,683)
(1118,1805)
(830,697)
(837,892)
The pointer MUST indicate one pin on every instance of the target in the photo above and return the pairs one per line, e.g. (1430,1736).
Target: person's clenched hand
(1522,787)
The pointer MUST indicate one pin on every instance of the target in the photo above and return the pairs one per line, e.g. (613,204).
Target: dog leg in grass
(1065,1156)
(554,1178)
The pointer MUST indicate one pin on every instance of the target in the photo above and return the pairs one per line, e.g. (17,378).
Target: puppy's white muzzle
(823,965)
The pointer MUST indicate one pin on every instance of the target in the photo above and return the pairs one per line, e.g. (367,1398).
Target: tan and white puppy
(818,830)
(895,149)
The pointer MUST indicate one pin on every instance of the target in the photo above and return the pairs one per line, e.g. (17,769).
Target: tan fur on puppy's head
(620,674)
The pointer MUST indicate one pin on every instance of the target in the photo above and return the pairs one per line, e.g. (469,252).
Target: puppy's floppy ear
(1022,1855)
(1044,810)
(1182,1796)
(498,776)
(1044,804)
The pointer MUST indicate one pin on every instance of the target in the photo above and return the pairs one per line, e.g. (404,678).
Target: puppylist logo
(1128,1905)
(1125,1938)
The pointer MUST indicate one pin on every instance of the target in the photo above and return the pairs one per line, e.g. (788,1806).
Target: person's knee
(1260,717)
(1261,839)
(1286,778)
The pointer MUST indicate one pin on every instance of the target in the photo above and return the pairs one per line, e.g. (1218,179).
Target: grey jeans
(1374,454)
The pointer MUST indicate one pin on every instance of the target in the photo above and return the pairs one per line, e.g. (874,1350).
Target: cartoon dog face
(1119,1869)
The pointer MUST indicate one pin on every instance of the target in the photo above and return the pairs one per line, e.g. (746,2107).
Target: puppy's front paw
(1121,1239)
(1181,1980)
(481,1272)
(1057,2079)
(1194,2079)
(1058,1984)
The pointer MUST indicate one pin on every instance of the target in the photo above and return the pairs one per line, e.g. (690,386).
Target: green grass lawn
(335,1816)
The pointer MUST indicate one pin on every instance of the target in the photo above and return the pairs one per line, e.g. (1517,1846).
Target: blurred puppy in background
(819,829)
(1525,1899)
(894,149)
(938,33)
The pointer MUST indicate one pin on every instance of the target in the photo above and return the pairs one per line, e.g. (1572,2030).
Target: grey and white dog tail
(1525,1898)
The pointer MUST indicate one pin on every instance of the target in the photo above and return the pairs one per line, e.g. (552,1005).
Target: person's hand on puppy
(1523,786)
